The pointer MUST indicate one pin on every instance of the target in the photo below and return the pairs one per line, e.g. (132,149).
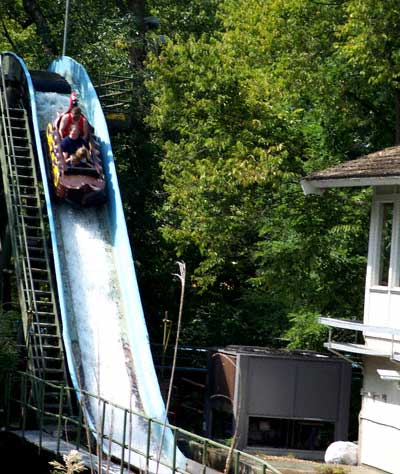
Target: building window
(385,243)
(284,433)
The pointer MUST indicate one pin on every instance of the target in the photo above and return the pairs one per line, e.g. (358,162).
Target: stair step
(22,148)
(45,313)
(17,135)
(44,325)
(32,227)
(47,347)
(39,270)
(22,178)
(13,127)
(42,304)
(28,189)
(22,158)
(18,118)
(45,306)
(50,336)
(29,196)
(55,381)
(35,248)
(23,172)
(55,371)
(37,281)
(36,261)
(54,359)
(26,206)
(40,293)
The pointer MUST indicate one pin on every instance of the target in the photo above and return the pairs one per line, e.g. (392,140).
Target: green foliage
(241,116)
(305,331)
(329,469)
(370,43)
(186,18)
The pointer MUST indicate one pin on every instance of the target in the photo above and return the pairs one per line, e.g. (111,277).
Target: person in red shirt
(74,117)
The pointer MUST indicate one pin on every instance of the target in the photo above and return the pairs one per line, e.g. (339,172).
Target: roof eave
(318,186)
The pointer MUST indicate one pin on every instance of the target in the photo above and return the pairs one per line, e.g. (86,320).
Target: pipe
(64,50)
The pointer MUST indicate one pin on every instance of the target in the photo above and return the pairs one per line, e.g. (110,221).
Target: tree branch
(34,12)
(7,35)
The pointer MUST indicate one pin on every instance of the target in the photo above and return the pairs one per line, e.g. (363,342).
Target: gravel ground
(290,465)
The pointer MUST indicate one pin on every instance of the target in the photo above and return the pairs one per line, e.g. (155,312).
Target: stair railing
(13,196)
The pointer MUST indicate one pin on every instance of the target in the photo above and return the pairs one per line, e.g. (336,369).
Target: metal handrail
(25,381)
(116,92)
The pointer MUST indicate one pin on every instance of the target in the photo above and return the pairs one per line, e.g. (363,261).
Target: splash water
(49,105)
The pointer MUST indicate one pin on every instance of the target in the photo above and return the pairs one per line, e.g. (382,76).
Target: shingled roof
(379,168)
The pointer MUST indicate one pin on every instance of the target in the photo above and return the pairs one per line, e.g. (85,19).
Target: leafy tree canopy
(242,98)
(242,115)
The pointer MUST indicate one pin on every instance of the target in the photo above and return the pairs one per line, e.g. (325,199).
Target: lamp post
(64,50)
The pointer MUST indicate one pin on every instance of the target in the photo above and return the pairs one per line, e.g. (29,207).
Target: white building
(379,432)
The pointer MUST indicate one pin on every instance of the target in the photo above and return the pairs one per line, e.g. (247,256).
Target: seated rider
(74,117)
(80,158)
(75,148)
(73,102)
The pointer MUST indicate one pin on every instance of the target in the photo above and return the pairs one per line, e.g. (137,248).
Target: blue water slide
(111,354)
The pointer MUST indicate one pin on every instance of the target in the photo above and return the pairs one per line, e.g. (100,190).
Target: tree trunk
(34,12)
(137,7)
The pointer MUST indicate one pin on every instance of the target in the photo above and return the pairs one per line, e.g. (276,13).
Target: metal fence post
(148,444)
(204,456)
(41,413)
(7,396)
(237,462)
(174,452)
(79,429)
(123,442)
(24,397)
(60,413)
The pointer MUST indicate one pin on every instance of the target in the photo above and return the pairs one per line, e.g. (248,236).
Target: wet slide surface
(104,330)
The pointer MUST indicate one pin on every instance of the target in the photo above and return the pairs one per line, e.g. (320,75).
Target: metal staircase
(29,235)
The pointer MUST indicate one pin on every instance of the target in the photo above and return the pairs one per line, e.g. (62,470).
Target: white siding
(380,418)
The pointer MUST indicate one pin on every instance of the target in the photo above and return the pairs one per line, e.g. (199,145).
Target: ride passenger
(81,157)
(73,102)
(73,147)
(76,118)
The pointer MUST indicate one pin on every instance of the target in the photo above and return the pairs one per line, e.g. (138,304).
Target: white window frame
(375,241)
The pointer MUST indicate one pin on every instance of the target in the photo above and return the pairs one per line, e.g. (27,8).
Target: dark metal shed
(282,401)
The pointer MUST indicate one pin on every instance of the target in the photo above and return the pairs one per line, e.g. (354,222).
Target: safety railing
(22,412)
(115,92)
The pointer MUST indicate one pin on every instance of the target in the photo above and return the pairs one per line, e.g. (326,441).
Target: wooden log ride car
(80,184)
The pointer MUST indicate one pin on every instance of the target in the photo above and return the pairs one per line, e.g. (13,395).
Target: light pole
(64,51)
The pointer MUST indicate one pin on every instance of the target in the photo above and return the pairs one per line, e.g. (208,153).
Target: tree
(370,45)
(242,116)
